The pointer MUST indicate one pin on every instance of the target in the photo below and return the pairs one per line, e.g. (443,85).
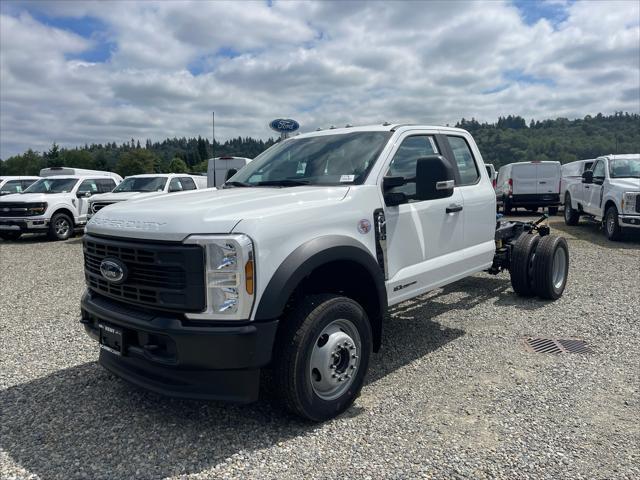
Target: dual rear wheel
(539,266)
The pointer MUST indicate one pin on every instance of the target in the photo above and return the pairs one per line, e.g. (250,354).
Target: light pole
(213,146)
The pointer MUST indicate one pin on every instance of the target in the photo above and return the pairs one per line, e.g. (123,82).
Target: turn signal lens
(248,272)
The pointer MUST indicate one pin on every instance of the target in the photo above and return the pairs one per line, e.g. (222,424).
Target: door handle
(587,187)
(454,207)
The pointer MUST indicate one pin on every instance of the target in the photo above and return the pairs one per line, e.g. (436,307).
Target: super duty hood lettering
(128,224)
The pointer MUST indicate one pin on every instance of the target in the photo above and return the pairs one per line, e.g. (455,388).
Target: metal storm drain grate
(556,345)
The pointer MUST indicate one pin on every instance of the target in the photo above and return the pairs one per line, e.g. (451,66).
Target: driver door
(87,188)
(593,190)
(423,238)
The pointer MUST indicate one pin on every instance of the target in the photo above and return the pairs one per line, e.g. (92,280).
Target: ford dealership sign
(284,125)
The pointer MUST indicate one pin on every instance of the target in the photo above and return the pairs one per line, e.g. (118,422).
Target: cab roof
(384,127)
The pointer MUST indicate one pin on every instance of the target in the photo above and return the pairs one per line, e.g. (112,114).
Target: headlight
(37,208)
(629,202)
(230,276)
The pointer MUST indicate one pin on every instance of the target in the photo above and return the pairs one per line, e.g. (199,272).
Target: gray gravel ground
(453,394)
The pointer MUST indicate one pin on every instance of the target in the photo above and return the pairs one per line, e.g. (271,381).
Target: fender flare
(304,260)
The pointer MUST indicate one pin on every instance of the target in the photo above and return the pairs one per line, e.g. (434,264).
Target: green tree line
(173,155)
(510,139)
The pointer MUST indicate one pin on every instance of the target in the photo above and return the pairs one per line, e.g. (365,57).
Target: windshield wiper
(236,184)
(285,182)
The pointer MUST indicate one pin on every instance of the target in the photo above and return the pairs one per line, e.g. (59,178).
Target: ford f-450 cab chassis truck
(292,265)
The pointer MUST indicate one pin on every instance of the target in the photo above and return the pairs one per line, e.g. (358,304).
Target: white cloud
(322,63)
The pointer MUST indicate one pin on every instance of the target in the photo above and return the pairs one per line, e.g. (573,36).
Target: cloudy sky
(77,72)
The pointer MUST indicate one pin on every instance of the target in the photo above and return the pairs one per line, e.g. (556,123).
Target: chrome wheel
(334,359)
(61,227)
(559,267)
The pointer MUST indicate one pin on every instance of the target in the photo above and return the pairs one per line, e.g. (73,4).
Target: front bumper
(629,221)
(164,354)
(23,224)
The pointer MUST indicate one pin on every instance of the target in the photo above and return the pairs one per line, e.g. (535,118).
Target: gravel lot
(453,393)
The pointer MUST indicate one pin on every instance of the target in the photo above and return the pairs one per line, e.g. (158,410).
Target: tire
(60,227)
(10,235)
(611,224)
(506,207)
(305,373)
(571,216)
(553,211)
(521,265)
(551,267)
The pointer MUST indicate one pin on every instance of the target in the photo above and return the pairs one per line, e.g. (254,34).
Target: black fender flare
(311,255)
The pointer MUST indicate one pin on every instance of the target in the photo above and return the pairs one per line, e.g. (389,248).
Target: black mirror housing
(392,182)
(435,178)
(587,177)
(83,194)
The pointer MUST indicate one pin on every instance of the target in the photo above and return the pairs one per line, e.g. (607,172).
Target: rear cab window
(467,167)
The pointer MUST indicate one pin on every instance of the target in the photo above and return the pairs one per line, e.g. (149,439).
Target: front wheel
(10,235)
(611,224)
(322,356)
(60,227)
(571,216)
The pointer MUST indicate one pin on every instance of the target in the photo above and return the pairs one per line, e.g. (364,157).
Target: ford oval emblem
(284,125)
(113,270)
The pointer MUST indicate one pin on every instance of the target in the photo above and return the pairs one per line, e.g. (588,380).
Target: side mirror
(587,177)
(434,178)
(83,194)
(392,199)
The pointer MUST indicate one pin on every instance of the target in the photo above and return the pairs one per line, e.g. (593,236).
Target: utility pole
(213,146)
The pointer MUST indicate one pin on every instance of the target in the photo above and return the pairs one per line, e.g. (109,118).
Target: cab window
(464,159)
(187,183)
(598,170)
(175,185)
(106,185)
(88,186)
(405,160)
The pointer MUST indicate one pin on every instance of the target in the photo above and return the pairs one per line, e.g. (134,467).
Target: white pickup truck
(57,204)
(144,186)
(609,193)
(292,265)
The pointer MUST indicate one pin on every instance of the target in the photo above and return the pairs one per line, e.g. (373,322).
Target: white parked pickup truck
(147,185)
(56,204)
(609,193)
(292,265)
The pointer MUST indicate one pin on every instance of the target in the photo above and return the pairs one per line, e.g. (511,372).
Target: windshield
(52,185)
(343,159)
(624,167)
(141,184)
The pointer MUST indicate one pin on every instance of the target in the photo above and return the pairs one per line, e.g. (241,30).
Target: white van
(147,185)
(572,173)
(9,185)
(529,185)
(221,169)
(57,204)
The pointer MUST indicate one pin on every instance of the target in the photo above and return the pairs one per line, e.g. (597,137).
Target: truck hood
(174,217)
(625,184)
(122,196)
(35,197)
